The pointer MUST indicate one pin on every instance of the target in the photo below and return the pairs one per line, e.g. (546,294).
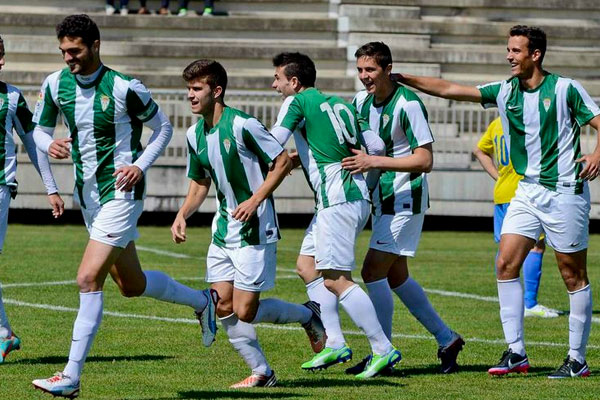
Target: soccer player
(105,112)
(542,114)
(325,129)
(492,154)
(234,150)
(400,197)
(15,115)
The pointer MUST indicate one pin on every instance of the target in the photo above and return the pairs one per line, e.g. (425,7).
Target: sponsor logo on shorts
(380,242)
(257,283)
(575,244)
(269,232)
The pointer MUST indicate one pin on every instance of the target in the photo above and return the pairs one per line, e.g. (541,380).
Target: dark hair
(212,70)
(79,26)
(298,65)
(379,51)
(536,36)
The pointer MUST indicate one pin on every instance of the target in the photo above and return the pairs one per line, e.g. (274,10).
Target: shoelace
(566,367)
(57,377)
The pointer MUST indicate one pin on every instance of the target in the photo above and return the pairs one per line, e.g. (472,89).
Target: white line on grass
(166,253)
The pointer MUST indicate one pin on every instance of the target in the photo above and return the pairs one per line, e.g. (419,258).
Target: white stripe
(533,144)
(274,327)
(122,153)
(566,130)
(84,121)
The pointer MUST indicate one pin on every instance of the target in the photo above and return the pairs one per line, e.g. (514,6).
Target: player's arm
(45,118)
(487,162)
(441,88)
(421,160)
(196,195)
(289,117)
(371,142)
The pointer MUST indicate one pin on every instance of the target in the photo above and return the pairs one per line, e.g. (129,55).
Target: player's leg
(8,340)
(532,275)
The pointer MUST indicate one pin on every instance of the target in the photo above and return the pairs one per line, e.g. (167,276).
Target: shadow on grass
(434,369)
(235,394)
(318,382)
(63,359)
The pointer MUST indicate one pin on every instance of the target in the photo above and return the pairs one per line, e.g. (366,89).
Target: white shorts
(331,235)
(250,268)
(4,205)
(115,222)
(397,234)
(563,217)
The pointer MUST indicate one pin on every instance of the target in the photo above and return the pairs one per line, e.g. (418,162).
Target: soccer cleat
(256,380)
(208,317)
(510,362)
(110,10)
(360,367)
(59,385)
(314,327)
(182,12)
(7,345)
(377,364)
(541,311)
(327,358)
(448,355)
(571,368)
(208,12)
(124,11)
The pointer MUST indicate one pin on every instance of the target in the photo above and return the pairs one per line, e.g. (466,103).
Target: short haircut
(536,36)
(211,70)
(378,51)
(298,65)
(78,26)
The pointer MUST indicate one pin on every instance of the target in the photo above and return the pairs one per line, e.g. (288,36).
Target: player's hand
(60,148)
(295,157)
(57,204)
(591,166)
(178,229)
(244,211)
(360,162)
(127,177)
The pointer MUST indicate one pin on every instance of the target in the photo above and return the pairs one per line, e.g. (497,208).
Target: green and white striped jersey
(401,122)
(105,119)
(14,114)
(235,154)
(542,127)
(329,128)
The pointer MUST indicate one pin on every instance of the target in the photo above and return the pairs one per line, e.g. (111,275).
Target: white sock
(510,294)
(5,329)
(580,321)
(330,316)
(242,337)
(161,286)
(278,311)
(415,299)
(85,327)
(383,301)
(360,309)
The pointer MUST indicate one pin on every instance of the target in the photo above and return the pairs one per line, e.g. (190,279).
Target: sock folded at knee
(161,286)
(414,298)
(580,321)
(510,295)
(5,329)
(360,309)
(277,311)
(85,327)
(242,337)
(330,316)
(532,274)
(383,301)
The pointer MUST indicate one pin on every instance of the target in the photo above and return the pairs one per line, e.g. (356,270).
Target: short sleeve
(413,120)
(582,107)
(290,114)
(46,110)
(23,116)
(195,170)
(489,94)
(260,141)
(139,101)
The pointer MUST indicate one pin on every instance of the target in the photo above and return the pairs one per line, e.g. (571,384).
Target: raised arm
(441,88)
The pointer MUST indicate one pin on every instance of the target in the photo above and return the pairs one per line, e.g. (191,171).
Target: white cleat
(60,385)
(541,311)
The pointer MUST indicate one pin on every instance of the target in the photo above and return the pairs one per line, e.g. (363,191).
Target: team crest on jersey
(386,119)
(227,145)
(104,102)
(547,102)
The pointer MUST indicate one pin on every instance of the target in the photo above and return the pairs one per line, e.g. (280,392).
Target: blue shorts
(499,213)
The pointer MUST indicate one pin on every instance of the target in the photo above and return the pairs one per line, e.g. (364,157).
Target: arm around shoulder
(441,88)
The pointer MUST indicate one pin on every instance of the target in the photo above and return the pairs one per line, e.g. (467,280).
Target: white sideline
(268,326)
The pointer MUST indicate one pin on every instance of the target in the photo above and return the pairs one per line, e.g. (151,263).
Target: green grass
(144,359)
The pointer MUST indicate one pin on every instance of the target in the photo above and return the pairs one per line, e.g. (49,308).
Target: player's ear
(388,70)
(96,46)
(217,92)
(295,83)
(535,56)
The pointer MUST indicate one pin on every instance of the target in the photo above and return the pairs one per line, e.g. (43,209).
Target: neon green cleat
(328,357)
(379,363)
(7,345)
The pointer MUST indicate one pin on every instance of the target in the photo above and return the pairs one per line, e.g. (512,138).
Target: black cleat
(571,368)
(448,355)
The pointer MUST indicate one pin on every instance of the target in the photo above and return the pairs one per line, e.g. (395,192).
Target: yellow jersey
(493,143)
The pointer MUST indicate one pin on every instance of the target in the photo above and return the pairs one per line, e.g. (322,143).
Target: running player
(400,198)
(492,154)
(14,115)
(542,115)
(105,112)
(325,129)
(234,150)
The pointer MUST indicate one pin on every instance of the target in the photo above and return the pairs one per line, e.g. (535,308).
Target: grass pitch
(136,357)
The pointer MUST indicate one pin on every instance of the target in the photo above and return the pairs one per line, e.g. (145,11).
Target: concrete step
(357,39)
(582,5)
(377,11)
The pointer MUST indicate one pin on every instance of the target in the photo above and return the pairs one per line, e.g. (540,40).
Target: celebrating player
(542,115)
(234,150)
(105,112)
(400,197)
(14,115)
(325,130)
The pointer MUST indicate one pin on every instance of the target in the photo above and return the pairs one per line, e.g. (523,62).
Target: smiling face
(286,87)
(375,78)
(522,61)
(80,58)
(201,97)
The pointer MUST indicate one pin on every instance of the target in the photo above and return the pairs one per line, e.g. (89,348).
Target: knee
(131,291)
(306,272)
(245,314)
(224,308)
(371,273)
(87,282)
(505,269)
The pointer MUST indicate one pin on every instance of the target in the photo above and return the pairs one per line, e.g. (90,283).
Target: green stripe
(549,138)
(105,137)
(24,115)
(323,186)
(49,112)
(66,97)
(3,118)
(387,196)
(518,153)
(416,188)
(405,123)
(577,151)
